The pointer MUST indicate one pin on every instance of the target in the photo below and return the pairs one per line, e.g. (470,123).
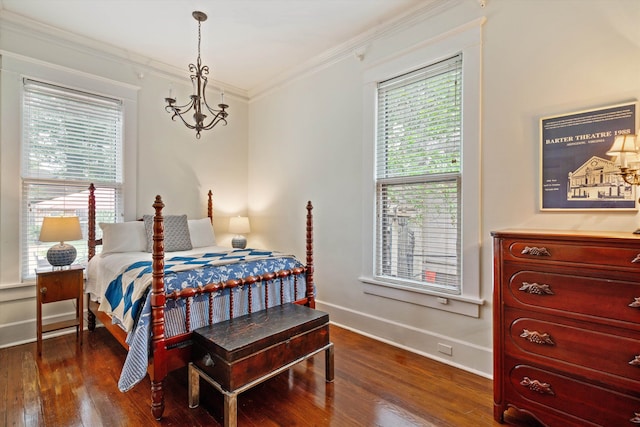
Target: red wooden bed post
(311,302)
(91,237)
(210,206)
(159,371)
(92,221)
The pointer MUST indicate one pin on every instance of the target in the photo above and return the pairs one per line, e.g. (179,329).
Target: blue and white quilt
(127,297)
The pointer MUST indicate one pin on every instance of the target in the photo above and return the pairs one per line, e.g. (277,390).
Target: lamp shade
(623,146)
(239,225)
(59,229)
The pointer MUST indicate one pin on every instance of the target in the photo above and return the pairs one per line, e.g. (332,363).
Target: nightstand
(59,285)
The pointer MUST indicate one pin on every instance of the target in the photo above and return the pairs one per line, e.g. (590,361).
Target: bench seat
(237,354)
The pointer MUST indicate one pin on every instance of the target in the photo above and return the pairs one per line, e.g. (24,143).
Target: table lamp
(60,229)
(239,225)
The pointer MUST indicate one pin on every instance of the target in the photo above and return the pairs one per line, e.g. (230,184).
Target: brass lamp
(627,157)
(239,225)
(60,229)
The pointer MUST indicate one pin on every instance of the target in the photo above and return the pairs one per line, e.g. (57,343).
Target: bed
(150,300)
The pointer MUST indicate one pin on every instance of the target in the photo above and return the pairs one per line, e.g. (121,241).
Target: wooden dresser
(567,326)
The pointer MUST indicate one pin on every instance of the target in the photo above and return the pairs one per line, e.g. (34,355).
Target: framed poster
(576,172)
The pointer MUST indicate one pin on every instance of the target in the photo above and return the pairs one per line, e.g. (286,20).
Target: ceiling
(245,43)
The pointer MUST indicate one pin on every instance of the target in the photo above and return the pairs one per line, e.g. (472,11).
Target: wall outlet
(445,349)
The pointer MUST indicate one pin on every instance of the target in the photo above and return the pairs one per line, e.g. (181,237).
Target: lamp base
(61,255)
(239,242)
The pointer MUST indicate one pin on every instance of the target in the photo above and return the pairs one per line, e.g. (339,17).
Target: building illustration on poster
(598,179)
(576,172)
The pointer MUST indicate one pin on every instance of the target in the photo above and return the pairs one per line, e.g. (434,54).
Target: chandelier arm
(631,178)
(221,107)
(216,119)
(187,124)
(181,109)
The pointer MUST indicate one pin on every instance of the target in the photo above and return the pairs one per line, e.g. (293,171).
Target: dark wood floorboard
(375,385)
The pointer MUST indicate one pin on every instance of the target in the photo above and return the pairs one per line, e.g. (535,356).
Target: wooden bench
(240,353)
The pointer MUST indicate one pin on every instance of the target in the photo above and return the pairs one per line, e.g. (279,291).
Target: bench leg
(328,363)
(230,410)
(194,387)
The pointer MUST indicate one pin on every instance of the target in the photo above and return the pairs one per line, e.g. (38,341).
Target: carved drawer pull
(536,337)
(535,251)
(636,259)
(635,361)
(636,303)
(535,385)
(636,418)
(536,289)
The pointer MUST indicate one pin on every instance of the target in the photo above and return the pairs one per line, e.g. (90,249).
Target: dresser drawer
(592,297)
(573,253)
(65,284)
(570,397)
(597,353)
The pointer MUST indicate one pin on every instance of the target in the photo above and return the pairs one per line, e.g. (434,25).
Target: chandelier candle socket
(60,229)
(198,103)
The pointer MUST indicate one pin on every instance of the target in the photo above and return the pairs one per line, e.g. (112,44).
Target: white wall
(303,140)
(539,58)
(167,159)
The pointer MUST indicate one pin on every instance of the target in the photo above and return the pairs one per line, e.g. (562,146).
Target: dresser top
(566,234)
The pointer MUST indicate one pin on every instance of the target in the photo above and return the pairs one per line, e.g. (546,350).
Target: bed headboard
(91,231)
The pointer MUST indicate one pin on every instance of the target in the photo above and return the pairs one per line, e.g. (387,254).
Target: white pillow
(201,232)
(123,237)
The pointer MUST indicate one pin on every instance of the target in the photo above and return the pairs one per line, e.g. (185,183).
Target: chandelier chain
(199,39)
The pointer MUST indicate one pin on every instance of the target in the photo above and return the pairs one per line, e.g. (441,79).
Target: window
(422,172)
(418,177)
(69,140)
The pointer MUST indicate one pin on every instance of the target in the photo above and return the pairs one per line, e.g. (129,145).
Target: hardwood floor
(376,385)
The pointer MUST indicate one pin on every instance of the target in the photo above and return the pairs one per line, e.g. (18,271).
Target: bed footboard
(171,353)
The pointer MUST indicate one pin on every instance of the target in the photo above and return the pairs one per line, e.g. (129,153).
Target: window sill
(441,301)
(18,291)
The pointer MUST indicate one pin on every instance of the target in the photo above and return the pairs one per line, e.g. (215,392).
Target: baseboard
(464,355)
(24,332)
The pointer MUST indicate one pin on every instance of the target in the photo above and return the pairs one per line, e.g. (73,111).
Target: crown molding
(355,47)
(140,64)
(40,63)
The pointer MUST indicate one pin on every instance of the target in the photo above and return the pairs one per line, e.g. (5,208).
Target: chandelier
(198,103)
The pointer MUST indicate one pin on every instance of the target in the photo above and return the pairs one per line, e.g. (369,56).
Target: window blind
(70,139)
(418,177)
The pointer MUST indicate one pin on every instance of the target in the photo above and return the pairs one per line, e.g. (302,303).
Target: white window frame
(466,39)
(15,68)
(66,192)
